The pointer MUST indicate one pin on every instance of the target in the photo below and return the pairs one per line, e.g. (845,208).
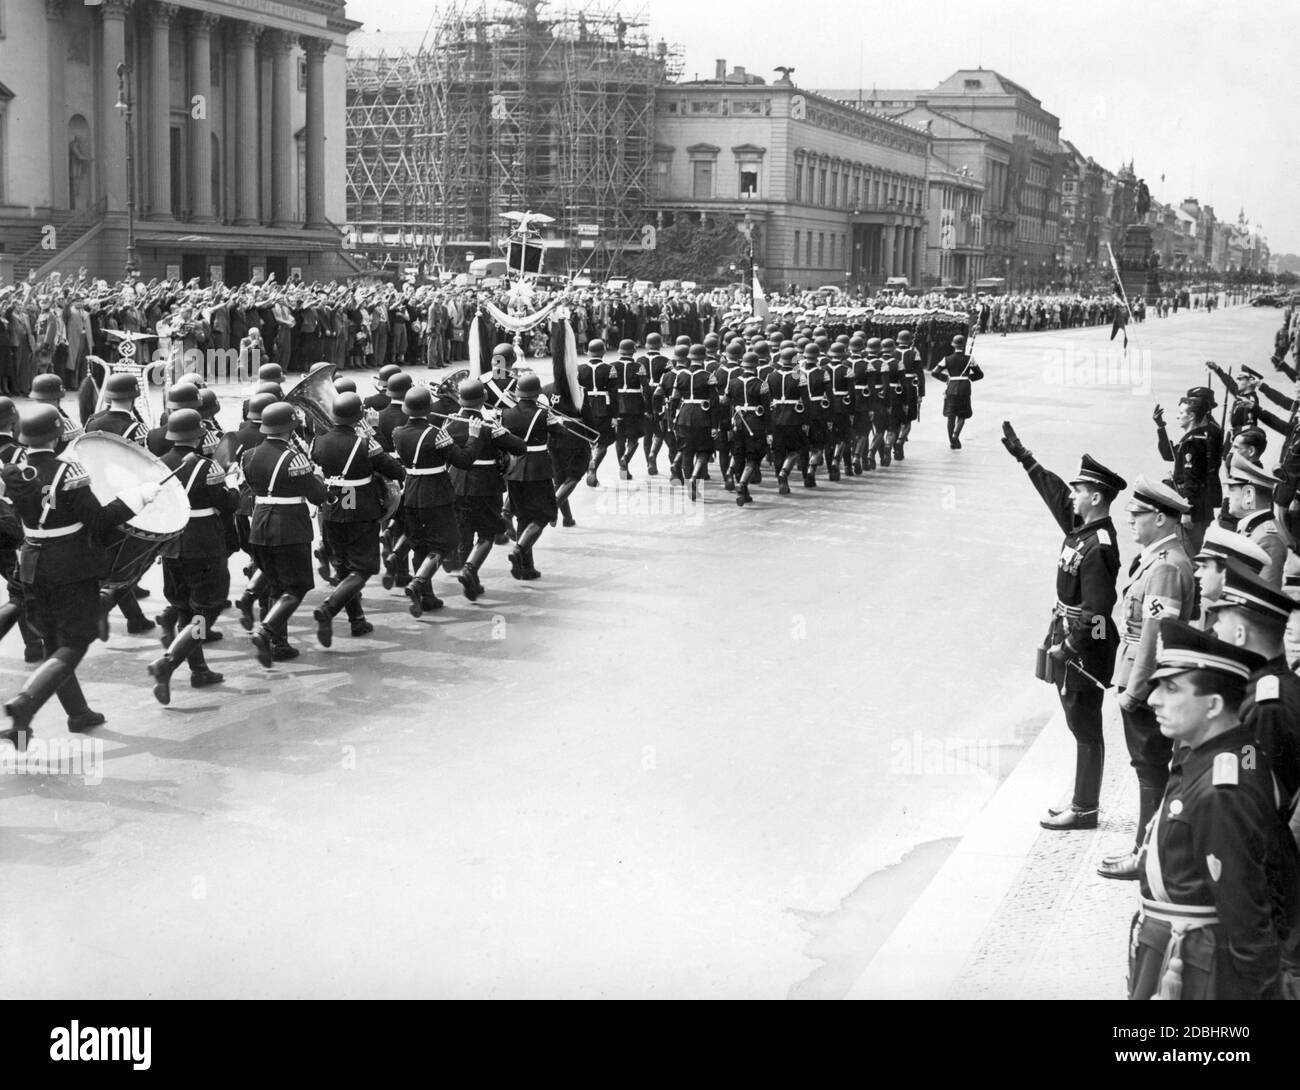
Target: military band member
(48,390)
(478,488)
(379,400)
(881,413)
(60,567)
(678,364)
(428,502)
(629,377)
(727,365)
(1250,502)
(499,386)
(957,371)
(183,395)
(528,479)
(349,459)
(1082,639)
(1160,585)
(656,364)
(748,400)
(863,402)
(280,533)
(196,577)
(1207,926)
(570,454)
(392,416)
(121,417)
(11,613)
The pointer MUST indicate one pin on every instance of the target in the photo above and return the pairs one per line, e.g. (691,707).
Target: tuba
(314,397)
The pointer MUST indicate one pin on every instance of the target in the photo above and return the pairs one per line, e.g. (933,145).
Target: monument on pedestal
(1139,265)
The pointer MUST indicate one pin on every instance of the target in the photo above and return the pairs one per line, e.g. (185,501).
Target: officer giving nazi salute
(1079,652)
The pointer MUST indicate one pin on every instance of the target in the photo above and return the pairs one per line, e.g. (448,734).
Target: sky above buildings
(1197,94)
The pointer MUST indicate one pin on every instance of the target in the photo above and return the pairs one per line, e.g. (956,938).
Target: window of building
(796,245)
(659,182)
(844,191)
(832,250)
(857,191)
(821,248)
(749,180)
(974,84)
(812,183)
(668,107)
(705,106)
(835,185)
(747,106)
(807,247)
(798,188)
(821,187)
(702,179)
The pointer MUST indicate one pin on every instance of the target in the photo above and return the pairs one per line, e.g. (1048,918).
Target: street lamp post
(124,104)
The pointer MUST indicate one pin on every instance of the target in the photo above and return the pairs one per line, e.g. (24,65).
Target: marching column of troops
(1201,642)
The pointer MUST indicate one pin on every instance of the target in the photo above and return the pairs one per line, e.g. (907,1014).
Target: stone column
(247,131)
(918,253)
(282,149)
(199,32)
(161,17)
(315,183)
(907,253)
(888,269)
(264,96)
(112,134)
(56,50)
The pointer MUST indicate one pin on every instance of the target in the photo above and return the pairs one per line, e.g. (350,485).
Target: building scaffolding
(501,108)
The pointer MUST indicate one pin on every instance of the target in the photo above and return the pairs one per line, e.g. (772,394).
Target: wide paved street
(712,752)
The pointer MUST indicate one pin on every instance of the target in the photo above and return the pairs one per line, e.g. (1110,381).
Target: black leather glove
(1159,417)
(1014,446)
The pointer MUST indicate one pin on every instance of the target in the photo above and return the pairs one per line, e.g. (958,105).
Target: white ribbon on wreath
(518,323)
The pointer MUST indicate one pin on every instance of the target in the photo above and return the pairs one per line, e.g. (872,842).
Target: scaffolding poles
(503,109)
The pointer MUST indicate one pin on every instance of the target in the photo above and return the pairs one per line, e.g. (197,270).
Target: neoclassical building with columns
(236,111)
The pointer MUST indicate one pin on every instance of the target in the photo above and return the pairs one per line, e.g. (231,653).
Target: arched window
(79,162)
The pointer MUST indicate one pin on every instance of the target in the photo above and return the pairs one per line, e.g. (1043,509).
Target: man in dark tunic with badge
(1078,655)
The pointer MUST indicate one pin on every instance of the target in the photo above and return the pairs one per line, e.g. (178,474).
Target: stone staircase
(70,226)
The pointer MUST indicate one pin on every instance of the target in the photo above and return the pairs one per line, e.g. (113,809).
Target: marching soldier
(478,488)
(787,393)
(183,395)
(596,377)
(1250,502)
(48,390)
(1078,656)
(629,377)
(957,371)
(819,409)
(656,365)
(528,479)
(348,460)
(120,418)
(914,385)
(196,577)
(881,410)
(727,365)
(499,387)
(677,365)
(60,567)
(428,502)
(1160,586)
(694,404)
(839,433)
(11,613)
(896,384)
(1207,926)
(863,402)
(392,416)
(280,533)
(379,400)
(749,400)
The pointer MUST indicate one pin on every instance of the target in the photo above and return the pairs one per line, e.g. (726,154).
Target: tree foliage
(690,250)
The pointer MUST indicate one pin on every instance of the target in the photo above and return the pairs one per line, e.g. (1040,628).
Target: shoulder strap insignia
(1267,688)
(75,476)
(1103,536)
(1225,770)
(1214,865)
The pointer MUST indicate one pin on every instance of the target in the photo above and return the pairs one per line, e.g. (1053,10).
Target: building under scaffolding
(502,108)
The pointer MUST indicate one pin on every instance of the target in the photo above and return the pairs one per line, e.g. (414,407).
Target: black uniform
(349,463)
(280,531)
(119,422)
(1086,573)
(428,500)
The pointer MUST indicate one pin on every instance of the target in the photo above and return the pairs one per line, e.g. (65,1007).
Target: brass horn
(315,396)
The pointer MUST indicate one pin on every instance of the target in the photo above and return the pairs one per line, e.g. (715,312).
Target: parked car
(643,286)
(991,285)
(617,283)
(670,285)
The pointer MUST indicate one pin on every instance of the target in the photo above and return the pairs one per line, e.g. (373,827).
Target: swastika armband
(1157,606)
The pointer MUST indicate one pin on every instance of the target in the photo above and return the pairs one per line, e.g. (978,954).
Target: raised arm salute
(1078,655)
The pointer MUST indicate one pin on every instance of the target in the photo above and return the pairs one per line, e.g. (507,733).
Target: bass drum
(113,463)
